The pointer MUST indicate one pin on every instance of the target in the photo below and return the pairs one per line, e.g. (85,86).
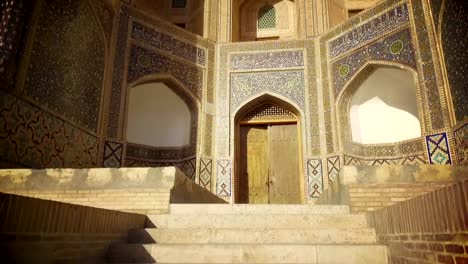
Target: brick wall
(431,228)
(137,190)
(142,201)
(371,197)
(40,231)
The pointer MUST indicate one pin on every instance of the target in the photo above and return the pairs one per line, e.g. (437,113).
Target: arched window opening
(179,3)
(384,108)
(267,17)
(157,117)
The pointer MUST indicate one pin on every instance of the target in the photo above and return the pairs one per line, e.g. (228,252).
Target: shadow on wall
(40,231)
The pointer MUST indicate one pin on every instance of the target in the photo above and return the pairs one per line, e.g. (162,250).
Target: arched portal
(268,153)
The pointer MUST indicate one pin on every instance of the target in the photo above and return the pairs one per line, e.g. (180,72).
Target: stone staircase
(223,233)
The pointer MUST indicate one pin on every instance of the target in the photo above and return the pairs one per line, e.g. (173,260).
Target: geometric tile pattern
(369,31)
(289,84)
(333,167)
(454,37)
(431,82)
(268,112)
(188,167)
(168,43)
(410,160)
(461,143)
(206,168)
(179,3)
(117,75)
(315,178)
(267,17)
(223,179)
(11,20)
(266,60)
(33,138)
(66,68)
(438,149)
(112,154)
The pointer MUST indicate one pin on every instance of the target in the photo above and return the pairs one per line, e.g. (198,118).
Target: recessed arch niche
(161,121)
(379,107)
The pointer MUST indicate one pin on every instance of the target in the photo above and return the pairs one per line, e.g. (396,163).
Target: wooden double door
(269,170)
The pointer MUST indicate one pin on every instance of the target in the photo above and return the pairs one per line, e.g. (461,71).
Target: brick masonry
(143,201)
(371,197)
(34,230)
(431,228)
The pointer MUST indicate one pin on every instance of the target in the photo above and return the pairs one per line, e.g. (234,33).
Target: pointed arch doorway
(268,155)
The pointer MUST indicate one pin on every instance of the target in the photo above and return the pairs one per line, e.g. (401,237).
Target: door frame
(237,147)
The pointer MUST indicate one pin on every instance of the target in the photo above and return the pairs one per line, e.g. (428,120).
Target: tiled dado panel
(30,137)
(314,178)
(153,51)
(66,69)
(223,179)
(409,160)
(460,136)
(187,166)
(438,149)
(206,173)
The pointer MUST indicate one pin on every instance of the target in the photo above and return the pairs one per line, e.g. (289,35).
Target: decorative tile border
(206,169)
(144,62)
(410,160)
(162,41)
(158,154)
(438,149)
(395,48)
(266,60)
(315,178)
(461,143)
(115,99)
(113,154)
(333,167)
(223,179)
(289,84)
(369,31)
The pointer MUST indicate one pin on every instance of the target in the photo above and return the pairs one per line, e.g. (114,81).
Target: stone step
(252,236)
(258,221)
(231,253)
(256,209)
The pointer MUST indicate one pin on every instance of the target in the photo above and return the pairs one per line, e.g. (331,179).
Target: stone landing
(208,233)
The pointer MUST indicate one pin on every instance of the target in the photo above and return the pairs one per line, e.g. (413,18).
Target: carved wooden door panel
(253,180)
(284,181)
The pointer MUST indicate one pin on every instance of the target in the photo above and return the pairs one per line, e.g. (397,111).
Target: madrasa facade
(257,101)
